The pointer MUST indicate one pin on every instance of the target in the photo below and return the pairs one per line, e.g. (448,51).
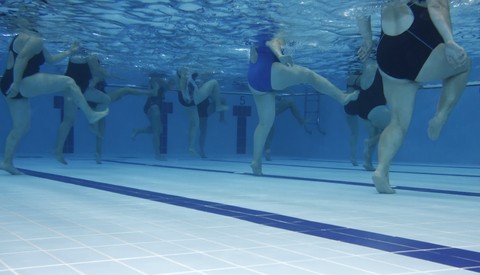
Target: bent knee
(70,84)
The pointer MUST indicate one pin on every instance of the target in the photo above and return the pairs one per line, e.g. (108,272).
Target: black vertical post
(242,112)
(167,108)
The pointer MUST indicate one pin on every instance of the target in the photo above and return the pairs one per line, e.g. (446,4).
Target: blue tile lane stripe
(357,169)
(407,188)
(445,255)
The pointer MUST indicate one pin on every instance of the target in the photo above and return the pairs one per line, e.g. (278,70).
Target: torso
(397,17)
(80,71)
(408,38)
(34,52)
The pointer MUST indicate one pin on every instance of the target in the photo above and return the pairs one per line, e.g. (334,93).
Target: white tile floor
(48,226)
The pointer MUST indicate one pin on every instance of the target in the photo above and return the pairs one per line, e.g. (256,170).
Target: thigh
(192,114)
(265,103)
(69,110)
(41,83)
(283,76)
(97,96)
(20,112)
(437,68)
(205,90)
(400,96)
(154,115)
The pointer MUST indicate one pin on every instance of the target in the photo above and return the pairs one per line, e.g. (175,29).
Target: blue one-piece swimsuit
(259,73)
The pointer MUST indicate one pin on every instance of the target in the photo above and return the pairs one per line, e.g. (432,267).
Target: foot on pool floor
(382,184)
(11,169)
(60,158)
(368,167)
(256,169)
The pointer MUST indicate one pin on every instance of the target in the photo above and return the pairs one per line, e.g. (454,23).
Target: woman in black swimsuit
(417,45)
(371,108)
(22,79)
(153,110)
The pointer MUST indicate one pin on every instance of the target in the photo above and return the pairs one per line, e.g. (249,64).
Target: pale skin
(102,101)
(113,96)
(28,44)
(280,107)
(210,88)
(203,126)
(284,74)
(373,129)
(154,116)
(448,62)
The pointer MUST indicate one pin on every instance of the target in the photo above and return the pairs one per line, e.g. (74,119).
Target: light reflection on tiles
(52,227)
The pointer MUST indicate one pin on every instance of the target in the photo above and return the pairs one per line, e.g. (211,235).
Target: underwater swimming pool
(313,212)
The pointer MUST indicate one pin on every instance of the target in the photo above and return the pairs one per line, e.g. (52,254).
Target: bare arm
(275,46)
(439,11)
(365,29)
(96,68)
(60,56)
(98,72)
(33,46)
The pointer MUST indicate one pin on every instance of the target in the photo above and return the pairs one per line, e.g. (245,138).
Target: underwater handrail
(427,86)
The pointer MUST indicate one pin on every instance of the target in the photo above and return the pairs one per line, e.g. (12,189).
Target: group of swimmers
(416,45)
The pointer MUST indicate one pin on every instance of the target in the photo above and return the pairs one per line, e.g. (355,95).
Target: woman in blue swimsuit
(417,45)
(270,71)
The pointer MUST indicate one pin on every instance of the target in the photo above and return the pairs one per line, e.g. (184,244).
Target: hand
(13,91)
(455,54)
(286,60)
(365,50)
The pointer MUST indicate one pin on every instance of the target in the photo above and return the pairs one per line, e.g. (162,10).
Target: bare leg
(99,140)
(121,92)
(193,122)
(283,77)
(203,135)
(400,95)
(102,101)
(268,143)
(156,127)
(369,145)
(454,81)
(21,114)
(69,113)
(295,112)
(352,122)
(41,84)
(211,88)
(145,130)
(265,103)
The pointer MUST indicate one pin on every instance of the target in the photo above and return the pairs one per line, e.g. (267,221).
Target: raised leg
(286,76)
